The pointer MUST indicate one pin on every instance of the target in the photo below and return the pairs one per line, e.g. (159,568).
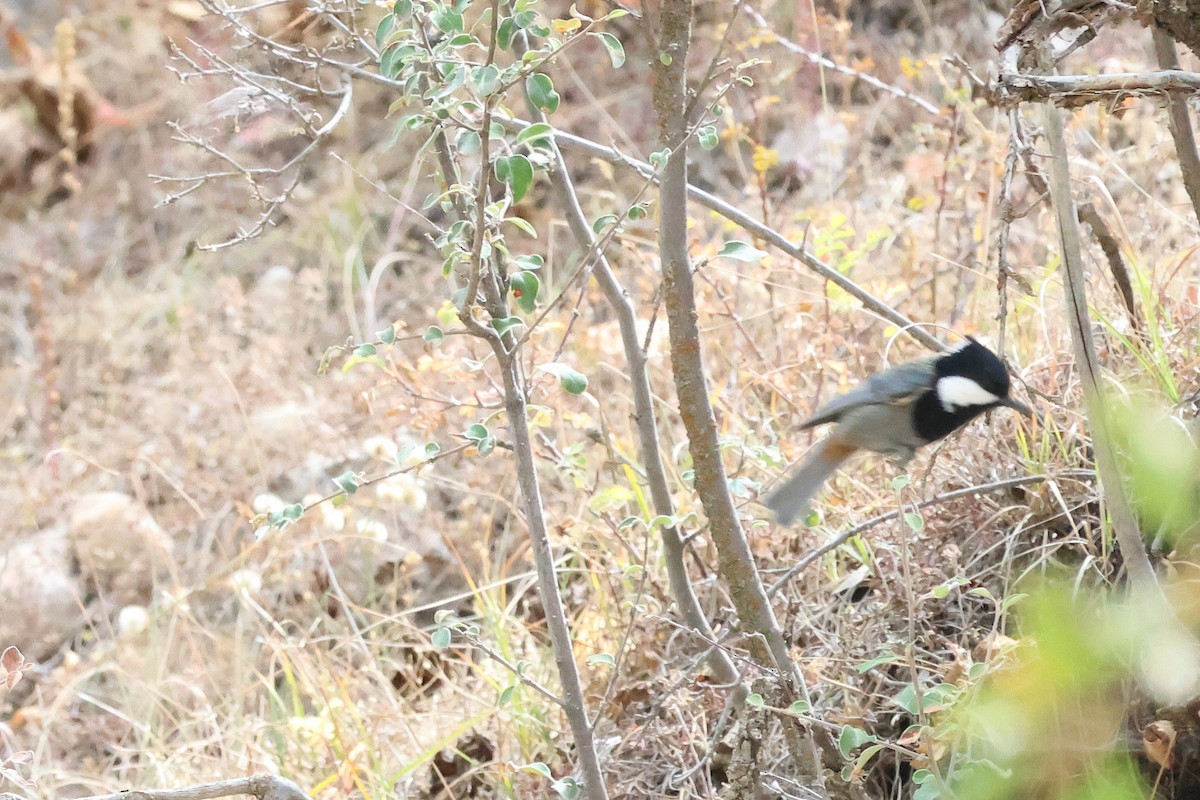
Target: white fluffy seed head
(246,581)
(402,491)
(266,502)
(373,529)
(955,392)
(381,448)
(332,519)
(132,620)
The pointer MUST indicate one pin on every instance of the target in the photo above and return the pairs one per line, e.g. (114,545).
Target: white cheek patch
(955,391)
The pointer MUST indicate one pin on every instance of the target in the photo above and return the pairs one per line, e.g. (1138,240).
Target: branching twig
(517,672)
(768,235)
(273,204)
(483,278)
(644,417)
(880,519)
(613,155)
(1007,216)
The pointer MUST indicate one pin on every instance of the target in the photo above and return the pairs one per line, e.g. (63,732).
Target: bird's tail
(793,498)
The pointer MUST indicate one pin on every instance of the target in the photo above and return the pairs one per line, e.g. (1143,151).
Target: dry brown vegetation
(136,362)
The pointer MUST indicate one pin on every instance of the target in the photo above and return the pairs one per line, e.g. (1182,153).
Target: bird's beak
(1018,406)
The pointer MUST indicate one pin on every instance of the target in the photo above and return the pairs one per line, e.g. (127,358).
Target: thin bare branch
(827,63)
(1178,120)
(264,787)
(644,417)
(880,519)
(1125,526)
(765,233)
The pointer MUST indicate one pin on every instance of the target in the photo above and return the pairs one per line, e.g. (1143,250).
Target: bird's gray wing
(890,386)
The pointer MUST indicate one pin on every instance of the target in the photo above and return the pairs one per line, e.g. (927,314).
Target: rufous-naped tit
(896,411)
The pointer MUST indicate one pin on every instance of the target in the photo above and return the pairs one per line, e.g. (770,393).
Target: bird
(894,412)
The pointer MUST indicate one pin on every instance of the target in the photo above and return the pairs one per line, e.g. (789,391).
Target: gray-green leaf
(540,90)
(502,326)
(740,251)
(534,133)
(348,482)
(616,53)
(525,286)
(441,637)
(447,19)
(517,172)
(851,738)
(571,380)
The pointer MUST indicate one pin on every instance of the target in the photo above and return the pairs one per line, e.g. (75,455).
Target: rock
(122,551)
(38,594)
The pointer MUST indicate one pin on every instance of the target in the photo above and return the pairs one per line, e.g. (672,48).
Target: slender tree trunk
(547,579)
(736,562)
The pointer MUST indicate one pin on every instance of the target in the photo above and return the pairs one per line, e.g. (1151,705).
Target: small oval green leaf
(571,380)
(348,482)
(503,326)
(505,33)
(447,19)
(441,637)
(487,78)
(851,738)
(522,225)
(604,221)
(534,133)
(518,174)
(525,286)
(616,52)
(384,29)
(540,90)
(740,251)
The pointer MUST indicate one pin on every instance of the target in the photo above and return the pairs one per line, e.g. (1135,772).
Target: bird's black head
(968,381)
(973,362)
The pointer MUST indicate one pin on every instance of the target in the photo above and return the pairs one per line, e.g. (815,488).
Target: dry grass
(189,381)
